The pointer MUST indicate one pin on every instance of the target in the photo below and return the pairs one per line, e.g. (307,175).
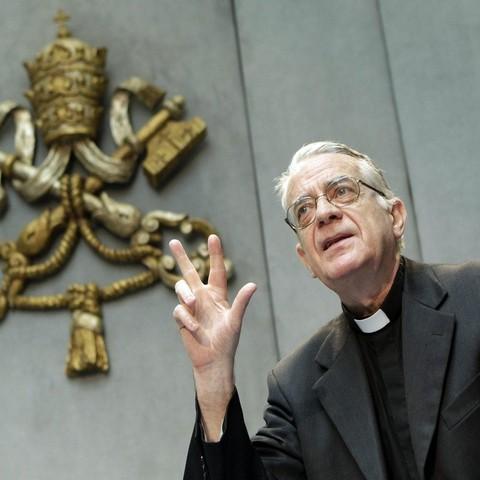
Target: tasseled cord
(87,352)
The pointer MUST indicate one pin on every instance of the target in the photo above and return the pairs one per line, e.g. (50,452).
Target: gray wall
(395,80)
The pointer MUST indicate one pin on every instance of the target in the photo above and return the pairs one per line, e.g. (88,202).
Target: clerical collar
(373,323)
(390,310)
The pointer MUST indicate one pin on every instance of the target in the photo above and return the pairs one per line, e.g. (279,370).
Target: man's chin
(342,267)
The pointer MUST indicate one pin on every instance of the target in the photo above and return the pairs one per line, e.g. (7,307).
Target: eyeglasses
(340,192)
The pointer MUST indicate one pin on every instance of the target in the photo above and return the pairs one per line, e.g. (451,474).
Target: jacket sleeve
(232,458)
(273,454)
(277,441)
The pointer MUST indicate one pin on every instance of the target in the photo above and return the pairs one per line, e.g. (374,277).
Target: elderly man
(390,389)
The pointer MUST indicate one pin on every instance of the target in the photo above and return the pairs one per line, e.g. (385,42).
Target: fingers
(184,318)
(185,295)
(218,274)
(185,265)
(241,302)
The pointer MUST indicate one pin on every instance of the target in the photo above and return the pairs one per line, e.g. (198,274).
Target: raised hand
(210,327)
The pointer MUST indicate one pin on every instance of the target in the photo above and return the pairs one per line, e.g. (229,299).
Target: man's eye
(342,192)
(304,209)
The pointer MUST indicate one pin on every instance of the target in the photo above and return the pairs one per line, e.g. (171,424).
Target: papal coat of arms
(68,82)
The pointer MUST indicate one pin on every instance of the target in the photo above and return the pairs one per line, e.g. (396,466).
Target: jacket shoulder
(461,279)
(423,279)
(300,363)
(458,272)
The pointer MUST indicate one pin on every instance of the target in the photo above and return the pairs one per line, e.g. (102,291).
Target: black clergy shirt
(382,356)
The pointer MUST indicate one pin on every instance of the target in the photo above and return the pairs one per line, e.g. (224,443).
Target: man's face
(342,241)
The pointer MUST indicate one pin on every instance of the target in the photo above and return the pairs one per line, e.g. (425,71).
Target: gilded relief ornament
(68,82)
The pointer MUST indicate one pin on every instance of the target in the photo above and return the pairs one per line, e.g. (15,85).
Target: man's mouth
(335,239)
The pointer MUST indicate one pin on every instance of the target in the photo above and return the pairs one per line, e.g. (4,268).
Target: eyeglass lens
(340,193)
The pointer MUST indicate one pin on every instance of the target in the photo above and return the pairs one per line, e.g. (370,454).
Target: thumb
(240,304)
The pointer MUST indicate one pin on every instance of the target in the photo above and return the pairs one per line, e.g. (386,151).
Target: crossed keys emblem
(68,82)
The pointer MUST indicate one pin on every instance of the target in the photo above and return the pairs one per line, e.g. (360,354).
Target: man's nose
(326,212)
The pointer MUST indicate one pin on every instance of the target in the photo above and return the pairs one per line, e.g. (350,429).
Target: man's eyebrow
(336,179)
(302,197)
(324,185)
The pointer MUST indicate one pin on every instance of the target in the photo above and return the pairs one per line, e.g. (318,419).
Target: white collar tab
(373,323)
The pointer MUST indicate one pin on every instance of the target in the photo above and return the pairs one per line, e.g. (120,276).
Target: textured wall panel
(434,49)
(314,71)
(136,422)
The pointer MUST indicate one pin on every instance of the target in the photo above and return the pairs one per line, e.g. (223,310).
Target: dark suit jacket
(320,422)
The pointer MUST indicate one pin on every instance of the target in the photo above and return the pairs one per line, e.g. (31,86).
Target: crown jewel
(67,82)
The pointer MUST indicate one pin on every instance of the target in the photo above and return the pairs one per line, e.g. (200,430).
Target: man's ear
(301,256)
(399,217)
(300,252)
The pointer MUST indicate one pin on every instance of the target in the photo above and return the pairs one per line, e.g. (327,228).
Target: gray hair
(369,172)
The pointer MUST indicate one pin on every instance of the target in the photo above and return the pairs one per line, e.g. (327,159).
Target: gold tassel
(87,352)
(3,306)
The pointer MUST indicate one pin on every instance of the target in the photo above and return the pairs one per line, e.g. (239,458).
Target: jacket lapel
(427,337)
(344,393)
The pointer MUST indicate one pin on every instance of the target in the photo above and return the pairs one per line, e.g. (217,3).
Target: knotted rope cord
(125,255)
(72,201)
